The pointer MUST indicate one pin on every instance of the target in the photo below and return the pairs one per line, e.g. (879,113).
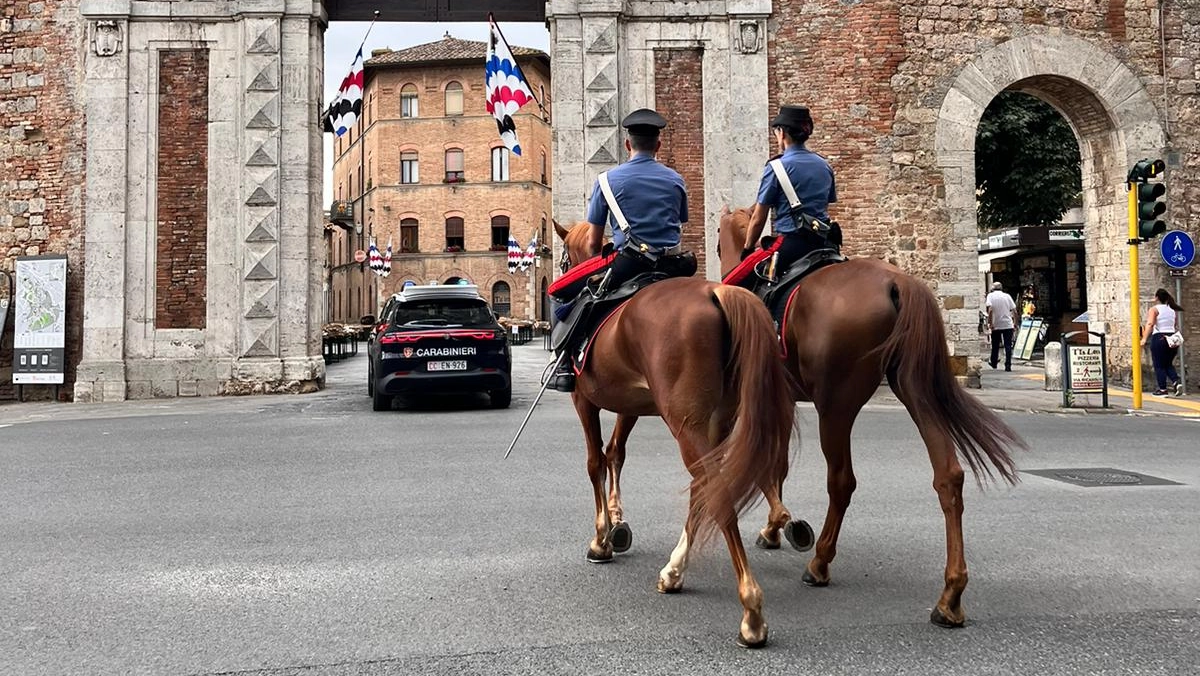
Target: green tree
(1026,163)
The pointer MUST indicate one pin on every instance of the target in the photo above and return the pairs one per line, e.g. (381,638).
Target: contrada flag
(507,89)
(530,253)
(514,254)
(346,108)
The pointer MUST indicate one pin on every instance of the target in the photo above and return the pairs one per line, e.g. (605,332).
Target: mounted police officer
(801,218)
(645,203)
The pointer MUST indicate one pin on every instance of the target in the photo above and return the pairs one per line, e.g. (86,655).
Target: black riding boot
(563,379)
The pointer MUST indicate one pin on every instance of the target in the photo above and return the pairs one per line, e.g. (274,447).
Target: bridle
(564,262)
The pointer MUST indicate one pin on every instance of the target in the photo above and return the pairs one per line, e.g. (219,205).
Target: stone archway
(1116,123)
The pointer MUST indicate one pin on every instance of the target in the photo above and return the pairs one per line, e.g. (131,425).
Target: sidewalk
(1022,390)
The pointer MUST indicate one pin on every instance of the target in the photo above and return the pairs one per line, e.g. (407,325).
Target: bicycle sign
(1177,249)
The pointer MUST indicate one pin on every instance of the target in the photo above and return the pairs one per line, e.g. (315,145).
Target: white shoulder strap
(611,200)
(786,183)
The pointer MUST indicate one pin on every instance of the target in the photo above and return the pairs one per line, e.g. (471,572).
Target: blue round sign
(1177,249)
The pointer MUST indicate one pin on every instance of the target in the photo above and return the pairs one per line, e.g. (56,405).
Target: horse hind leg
(948,482)
(621,534)
(840,484)
(752,632)
(600,549)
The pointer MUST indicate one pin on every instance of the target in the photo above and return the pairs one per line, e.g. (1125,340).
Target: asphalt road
(308,535)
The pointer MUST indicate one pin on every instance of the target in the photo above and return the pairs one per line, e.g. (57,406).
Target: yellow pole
(1134,309)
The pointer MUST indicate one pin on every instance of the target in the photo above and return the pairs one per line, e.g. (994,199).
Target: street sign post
(1177,249)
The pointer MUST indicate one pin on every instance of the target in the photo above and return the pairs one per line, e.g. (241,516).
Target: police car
(438,339)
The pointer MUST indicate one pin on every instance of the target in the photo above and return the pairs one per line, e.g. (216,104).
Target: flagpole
(362,162)
(492,21)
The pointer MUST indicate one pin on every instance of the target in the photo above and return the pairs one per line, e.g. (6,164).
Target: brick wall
(41,157)
(678,94)
(182,237)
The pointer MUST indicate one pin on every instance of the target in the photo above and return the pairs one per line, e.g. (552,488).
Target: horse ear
(562,232)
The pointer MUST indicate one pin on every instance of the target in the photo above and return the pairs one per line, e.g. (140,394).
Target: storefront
(1043,269)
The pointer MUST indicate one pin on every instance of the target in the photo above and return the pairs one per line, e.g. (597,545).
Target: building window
(454,99)
(500,164)
(542,241)
(545,176)
(499,233)
(501,299)
(408,167)
(408,101)
(454,234)
(454,166)
(409,236)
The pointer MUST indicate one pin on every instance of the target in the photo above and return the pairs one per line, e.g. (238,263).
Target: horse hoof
(753,645)
(621,537)
(812,581)
(593,557)
(800,535)
(763,543)
(939,618)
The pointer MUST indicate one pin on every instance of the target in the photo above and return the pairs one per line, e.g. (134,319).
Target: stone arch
(1116,123)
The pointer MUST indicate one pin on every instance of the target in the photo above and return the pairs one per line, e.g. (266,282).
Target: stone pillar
(101,371)
(264,247)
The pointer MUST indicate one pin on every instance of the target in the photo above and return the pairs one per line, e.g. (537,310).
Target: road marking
(6,425)
(1128,394)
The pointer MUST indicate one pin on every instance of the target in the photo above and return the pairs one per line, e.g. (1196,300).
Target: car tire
(370,382)
(381,402)
(501,398)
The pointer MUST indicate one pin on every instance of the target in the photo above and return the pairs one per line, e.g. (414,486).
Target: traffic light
(1149,197)
(1150,207)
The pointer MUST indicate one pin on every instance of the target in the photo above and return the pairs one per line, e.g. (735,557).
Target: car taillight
(393,338)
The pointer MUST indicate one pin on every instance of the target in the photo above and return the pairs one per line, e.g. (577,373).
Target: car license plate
(455,365)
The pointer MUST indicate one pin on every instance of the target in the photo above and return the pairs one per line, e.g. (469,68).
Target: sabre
(535,403)
(600,289)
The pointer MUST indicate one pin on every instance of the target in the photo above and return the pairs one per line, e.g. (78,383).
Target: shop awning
(985,259)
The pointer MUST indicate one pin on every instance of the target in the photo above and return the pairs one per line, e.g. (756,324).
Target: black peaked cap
(644,122)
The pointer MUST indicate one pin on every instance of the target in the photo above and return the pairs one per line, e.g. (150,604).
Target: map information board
(40,320)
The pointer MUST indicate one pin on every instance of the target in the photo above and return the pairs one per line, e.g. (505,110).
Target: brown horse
(846,327)
(705,358)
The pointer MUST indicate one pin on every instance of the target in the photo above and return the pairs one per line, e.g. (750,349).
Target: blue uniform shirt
(652,197)
(812,178)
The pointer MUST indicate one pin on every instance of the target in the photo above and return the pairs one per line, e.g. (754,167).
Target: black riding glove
(746,252)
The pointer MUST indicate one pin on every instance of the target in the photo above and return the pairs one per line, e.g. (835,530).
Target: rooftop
(448,49)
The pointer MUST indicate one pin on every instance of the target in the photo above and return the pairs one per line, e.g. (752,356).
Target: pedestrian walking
(1001,320)
(1162,322)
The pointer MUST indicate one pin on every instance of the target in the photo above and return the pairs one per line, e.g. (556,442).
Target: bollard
(1054,367)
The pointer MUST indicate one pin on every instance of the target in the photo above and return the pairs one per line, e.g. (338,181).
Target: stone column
(101,374)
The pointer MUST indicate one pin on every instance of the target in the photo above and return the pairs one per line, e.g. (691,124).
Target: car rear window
(442,312)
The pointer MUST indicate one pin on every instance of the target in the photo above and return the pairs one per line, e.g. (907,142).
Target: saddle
(775,294)
(590,310)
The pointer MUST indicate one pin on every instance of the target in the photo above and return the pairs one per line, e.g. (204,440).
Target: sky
(343,37)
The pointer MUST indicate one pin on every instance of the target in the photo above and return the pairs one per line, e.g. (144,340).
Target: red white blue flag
(507,89)
(514,254)
(530,254)
(346,108)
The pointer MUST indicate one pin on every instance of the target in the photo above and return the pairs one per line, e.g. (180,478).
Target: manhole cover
(1091,477)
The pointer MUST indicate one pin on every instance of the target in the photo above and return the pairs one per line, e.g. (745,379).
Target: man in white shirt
(1002,318)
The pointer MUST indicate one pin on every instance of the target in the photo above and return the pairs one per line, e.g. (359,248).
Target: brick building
(439,183)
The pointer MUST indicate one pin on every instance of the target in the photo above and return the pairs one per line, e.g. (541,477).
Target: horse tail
(917,362)
(754,453)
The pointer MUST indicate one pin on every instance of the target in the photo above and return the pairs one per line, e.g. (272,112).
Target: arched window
(454,166)
(545,175)
(409,236)
(454,234)
(542,234)
(408,167)
(499,232)
(408,101)
(501,299)
(454,98)
(500,164)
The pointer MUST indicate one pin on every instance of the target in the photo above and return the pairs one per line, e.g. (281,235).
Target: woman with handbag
(1161,331)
